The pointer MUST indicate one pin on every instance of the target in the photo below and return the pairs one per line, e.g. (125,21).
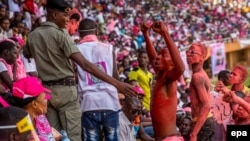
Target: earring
(42,112)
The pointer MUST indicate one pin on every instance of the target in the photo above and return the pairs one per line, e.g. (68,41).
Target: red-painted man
(169,67)
(200,95)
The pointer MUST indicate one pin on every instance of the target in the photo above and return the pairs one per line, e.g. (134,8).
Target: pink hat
(20,41)
(29,87)
(139,90)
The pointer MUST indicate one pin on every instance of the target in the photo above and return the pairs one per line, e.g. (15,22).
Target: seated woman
(7,58)
(29,94)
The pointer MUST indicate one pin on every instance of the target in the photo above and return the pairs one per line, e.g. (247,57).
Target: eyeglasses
(192,52)
(135,112)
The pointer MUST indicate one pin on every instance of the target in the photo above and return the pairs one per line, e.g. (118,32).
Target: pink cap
(139,90)
(29,87)
(20,41)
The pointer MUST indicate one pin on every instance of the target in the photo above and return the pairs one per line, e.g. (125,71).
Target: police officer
(51,47)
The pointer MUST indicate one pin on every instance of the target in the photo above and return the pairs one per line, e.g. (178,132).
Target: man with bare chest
(169,67)
(203,121)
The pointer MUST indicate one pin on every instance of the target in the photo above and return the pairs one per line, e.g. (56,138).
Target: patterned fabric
(43,129)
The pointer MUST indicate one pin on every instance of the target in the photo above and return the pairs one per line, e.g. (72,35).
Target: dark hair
(36,24)
(87,24)
(10,116)
(6,45)
(75,16)
(141,52)
(3,19)
(16,13)
(2,6)
(13,39)
(15,101)
(223,74)
(185,117)
(240,94)
(17,23)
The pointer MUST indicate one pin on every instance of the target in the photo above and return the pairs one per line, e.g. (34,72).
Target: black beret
(60,5)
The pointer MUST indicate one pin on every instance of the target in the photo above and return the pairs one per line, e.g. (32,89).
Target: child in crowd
(8,55)
(19,67)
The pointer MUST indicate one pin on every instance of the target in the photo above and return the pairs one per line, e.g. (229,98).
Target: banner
(218,57)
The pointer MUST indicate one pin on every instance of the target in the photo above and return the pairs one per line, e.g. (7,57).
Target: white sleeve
(29,66)
(2,67)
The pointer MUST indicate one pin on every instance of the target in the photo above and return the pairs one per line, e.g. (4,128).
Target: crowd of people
(129,76)
(188,21)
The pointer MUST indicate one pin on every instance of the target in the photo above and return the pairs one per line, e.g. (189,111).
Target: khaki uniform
(51,48)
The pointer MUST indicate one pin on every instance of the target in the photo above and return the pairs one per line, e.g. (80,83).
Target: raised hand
(159,27)
(219,86)
(145,26)
(231,97)
(126,89)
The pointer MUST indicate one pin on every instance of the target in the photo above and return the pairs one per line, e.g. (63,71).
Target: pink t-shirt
(20,72)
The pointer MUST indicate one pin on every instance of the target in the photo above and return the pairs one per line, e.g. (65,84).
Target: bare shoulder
(199,78)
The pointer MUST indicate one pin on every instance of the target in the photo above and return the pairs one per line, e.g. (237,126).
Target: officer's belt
(64,82)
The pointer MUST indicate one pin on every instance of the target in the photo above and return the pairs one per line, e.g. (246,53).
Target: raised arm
(240,101)
(203,96)
(230,96)
(149,45)
(160,28)
(243,103)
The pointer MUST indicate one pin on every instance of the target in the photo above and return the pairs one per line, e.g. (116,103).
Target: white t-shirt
(29,66)
(14,7)
(2,67)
